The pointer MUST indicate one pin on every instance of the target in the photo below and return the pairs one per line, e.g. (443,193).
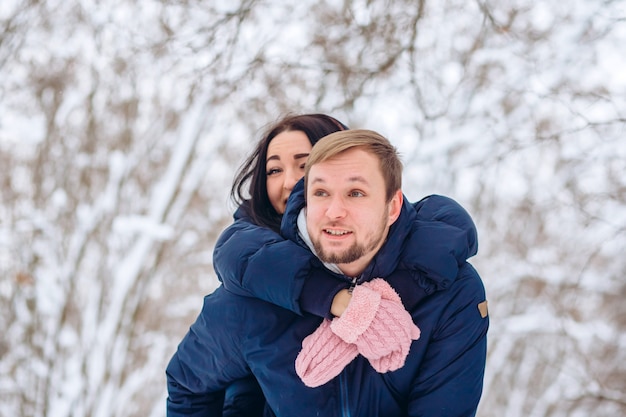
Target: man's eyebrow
(356,178)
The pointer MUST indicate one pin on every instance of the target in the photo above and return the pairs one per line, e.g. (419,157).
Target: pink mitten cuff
(358,315)
(323,356)
(383,288)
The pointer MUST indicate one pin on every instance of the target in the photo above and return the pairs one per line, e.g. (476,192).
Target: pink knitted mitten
(376,321)
(323,356)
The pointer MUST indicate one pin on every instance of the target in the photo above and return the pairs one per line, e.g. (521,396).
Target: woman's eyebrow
(300,155)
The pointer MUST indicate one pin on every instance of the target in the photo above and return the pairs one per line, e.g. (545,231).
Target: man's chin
(344,257)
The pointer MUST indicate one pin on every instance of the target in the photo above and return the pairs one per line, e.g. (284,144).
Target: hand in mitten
(323,356)
(395,360)
(378,324)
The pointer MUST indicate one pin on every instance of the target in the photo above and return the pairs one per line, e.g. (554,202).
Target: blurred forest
(122,123)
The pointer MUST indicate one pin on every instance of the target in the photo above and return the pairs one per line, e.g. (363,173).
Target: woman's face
(286,155)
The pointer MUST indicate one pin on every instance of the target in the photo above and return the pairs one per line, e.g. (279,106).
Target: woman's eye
(273,171)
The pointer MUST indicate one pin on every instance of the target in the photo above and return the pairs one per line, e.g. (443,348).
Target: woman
(262,187)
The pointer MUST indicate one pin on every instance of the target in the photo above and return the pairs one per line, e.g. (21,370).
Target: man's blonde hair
(336,143)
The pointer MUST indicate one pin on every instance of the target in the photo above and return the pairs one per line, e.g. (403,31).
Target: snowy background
(122,123)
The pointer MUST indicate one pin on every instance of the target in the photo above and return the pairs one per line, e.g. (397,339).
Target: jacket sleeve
(438,208)
(443,237)
(254,261)
(450,377)
(207,360)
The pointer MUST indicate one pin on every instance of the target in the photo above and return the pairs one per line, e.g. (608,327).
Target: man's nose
(336,208)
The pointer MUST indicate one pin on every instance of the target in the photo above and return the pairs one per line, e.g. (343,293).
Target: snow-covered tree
(122,123)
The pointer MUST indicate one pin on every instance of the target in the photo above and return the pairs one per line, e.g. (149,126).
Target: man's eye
(320,193)
(356,194)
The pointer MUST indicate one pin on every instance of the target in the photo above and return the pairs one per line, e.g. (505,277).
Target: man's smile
(335,232)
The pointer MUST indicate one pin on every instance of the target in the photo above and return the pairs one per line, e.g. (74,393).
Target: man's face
(347,214)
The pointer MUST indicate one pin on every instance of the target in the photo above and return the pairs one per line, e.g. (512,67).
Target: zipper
(343,379)
(343,394)
(352,285)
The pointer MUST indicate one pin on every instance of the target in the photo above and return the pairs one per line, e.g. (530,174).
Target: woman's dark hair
(253,171)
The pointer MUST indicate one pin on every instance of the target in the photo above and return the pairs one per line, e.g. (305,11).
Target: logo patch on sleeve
(482,308)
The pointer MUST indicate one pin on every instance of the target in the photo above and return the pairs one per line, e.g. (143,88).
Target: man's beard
(354,252)
(351,254)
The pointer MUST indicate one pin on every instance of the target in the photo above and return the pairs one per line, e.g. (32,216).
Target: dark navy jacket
(443,374)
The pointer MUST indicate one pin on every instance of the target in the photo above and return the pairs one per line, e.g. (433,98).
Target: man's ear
(395,206)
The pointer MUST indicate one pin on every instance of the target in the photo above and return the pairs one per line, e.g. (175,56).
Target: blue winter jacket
(443,374)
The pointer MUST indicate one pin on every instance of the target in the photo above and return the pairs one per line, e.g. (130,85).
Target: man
(356,219)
